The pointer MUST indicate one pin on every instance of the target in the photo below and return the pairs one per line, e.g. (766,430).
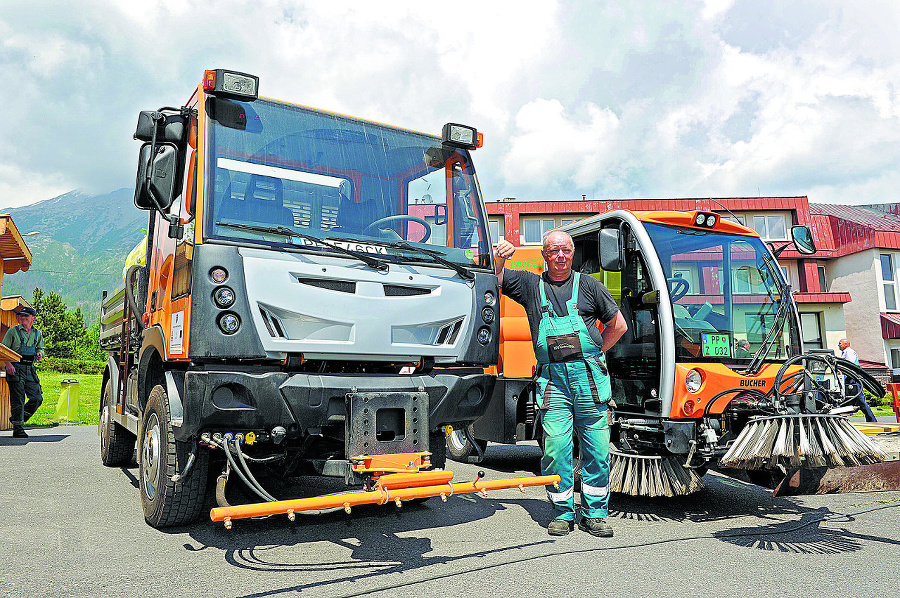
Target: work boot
(19,433)
(595,526)
(559,527)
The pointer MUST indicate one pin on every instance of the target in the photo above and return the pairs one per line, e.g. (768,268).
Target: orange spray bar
(386,490)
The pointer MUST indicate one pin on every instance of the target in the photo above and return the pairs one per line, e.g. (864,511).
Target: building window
(895,359)
(823,282)
(534,228)
(811,325)
(736,218)
(771,227)
(498,229)
(887,282)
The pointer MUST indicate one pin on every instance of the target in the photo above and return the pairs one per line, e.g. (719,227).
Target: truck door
(169,289)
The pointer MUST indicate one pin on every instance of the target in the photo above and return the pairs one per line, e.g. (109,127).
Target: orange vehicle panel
(717,377)
(516,350)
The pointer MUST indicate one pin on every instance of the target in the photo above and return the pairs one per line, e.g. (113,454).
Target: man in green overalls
(573,386)
(27,341)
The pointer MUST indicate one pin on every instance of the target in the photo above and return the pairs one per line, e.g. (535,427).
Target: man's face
(26,320)
(843,344)
(558,253)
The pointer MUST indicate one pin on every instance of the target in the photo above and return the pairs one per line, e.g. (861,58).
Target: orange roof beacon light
(231,84)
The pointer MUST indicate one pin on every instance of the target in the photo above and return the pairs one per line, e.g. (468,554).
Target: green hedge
(71,366)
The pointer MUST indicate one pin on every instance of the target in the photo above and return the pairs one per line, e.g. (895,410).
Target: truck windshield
(725,293)
(355,184)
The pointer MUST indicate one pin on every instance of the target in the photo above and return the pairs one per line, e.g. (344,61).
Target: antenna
(724,207)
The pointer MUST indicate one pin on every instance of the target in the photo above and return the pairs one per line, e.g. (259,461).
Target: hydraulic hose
(471,439)
(240,454)
(253,485)
(234,466)
(187,468)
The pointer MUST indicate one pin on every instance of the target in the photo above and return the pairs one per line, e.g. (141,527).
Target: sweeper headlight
(231,84)
(705,219)
(693,381)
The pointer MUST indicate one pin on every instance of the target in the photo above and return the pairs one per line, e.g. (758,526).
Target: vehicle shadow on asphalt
(377,540)
(9,441)
(718,501)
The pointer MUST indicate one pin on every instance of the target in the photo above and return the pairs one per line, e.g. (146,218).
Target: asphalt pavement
(71,527)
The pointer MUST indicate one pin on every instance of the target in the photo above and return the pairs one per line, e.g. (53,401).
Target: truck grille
(342,286)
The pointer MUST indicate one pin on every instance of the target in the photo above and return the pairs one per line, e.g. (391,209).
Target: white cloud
(550,148)
(705,97)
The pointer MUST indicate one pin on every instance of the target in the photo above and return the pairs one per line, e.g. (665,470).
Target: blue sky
(603,99)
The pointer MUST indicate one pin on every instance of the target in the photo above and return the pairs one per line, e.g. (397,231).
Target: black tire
(116,442)
(459,447)
(576,459)
(165,502)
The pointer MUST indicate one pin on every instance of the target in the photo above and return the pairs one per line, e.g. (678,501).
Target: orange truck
(713,351)
(318,297)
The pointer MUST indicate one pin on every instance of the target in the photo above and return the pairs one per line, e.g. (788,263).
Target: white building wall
(858,274)
(832,321)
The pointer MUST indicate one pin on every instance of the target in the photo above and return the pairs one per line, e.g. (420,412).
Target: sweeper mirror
(612,254)
(803,240)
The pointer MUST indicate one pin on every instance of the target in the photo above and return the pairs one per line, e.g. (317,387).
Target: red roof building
(845,286)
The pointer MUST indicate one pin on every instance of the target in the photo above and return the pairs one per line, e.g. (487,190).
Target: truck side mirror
(611,251)
(803,239)
(157,192)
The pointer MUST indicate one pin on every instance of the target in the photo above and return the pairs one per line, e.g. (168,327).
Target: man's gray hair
(554,231)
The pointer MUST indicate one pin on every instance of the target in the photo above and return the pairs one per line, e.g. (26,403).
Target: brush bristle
(651,475)
(801,440)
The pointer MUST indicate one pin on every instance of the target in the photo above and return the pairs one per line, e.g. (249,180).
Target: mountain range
(78,243)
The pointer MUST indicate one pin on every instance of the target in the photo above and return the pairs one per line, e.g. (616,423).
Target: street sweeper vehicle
(317,298)
(712,371)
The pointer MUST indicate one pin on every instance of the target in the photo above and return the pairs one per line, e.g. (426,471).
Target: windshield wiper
(289,232)
(464,272)
(777,327)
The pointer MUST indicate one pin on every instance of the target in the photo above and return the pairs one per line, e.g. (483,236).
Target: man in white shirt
(846,352)
(851,356)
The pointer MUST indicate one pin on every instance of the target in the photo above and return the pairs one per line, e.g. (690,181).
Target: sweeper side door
(635,360)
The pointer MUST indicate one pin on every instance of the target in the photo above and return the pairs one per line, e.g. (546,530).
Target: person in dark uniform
(27,341)
(573,386)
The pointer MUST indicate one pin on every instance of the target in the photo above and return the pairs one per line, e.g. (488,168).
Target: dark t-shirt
(594,300)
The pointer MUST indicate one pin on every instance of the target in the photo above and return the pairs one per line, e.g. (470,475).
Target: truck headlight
(487,314)
(218,275)
(229,323)
(484,335)
(490,298)
(223,297)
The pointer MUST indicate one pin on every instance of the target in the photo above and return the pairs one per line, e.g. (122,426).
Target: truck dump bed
(113,311)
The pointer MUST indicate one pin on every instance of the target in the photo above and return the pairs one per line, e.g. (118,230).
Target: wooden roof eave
(13,250)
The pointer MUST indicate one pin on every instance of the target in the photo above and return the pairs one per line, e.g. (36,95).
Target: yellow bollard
(67,408)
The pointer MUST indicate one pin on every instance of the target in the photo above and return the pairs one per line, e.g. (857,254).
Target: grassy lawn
(884,414)
(88,397)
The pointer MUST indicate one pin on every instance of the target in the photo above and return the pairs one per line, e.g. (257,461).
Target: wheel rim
(150,457)
(104,426)
(457,440)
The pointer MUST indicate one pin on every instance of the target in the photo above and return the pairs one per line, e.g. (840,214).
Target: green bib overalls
(573,387)
(25,392)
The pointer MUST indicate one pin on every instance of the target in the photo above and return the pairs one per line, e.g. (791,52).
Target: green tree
(63,330)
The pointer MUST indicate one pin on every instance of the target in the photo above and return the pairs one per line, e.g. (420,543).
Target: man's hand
(40,355)
(503,250)
(10,369)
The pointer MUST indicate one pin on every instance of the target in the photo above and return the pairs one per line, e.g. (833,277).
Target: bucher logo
(753,383)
